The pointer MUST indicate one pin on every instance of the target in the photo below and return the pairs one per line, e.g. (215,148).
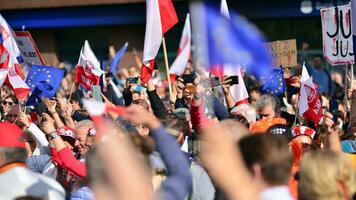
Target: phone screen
(96,92)
(334,109)
(234,80)
(215,81)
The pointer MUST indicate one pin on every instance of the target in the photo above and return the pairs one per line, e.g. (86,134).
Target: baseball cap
(67,134)
(10,135)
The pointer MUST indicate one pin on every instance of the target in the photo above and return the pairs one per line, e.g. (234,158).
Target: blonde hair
(326,175)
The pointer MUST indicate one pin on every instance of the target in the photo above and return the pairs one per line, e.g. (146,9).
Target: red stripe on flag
(146,72)
(116,109)
(217,70)
(168,15)
(87,80)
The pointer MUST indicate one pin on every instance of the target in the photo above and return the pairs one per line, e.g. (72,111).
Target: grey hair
(85,122)
(269,100)
(13,154)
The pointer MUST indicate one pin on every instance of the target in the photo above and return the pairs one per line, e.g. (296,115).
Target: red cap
(10,135)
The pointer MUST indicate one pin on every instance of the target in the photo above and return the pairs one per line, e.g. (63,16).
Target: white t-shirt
(276,193)
(20,181)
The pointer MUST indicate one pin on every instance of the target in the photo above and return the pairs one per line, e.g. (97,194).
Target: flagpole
(71,91)
(166,64)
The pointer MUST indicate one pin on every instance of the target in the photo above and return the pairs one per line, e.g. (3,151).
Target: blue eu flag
(116,60)
(44,81)
(274,84)
(222,41)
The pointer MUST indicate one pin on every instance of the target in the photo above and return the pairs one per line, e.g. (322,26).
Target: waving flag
(88,70)
(224,10)
(9,65)
(116,61)
(222,41)
(274,84)
(160,17)
(182,59)
(309,103)
(44,82)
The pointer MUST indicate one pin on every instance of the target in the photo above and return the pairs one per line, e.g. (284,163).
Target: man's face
(267,113)
(6,104)
(81,135)
(317,62)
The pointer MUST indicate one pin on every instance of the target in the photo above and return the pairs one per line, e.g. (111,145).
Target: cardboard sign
(28,48)
(284,52)
(337,35)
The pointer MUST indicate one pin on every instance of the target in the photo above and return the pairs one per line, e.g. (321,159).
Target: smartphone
(96,92)
(188,78)
(133,80)
(334,109)
(234,80)
(215,81)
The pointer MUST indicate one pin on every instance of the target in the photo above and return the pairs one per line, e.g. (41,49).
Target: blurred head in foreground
(326,175)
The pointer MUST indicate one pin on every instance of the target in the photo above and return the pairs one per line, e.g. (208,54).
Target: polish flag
(309,103)
(10,71)
(97,109)
(160,17)
(182,59)
(88,70)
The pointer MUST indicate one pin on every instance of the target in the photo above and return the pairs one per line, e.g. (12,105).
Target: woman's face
(6,104)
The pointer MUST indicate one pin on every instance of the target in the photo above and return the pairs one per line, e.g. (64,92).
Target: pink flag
(88,70)
(182,59)
(160,17)
(10,69)
(309,103)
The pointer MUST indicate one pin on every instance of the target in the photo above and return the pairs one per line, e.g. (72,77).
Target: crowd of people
(194,143)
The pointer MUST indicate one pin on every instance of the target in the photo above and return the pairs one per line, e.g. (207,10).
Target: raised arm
(159,109)
(178,182)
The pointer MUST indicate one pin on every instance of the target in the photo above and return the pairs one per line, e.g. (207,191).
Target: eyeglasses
(10,103)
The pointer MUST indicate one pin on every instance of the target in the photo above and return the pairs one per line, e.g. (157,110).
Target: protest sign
(337,35)
(284,52)
(28,48)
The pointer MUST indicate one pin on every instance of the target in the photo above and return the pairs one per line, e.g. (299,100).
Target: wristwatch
(53,135)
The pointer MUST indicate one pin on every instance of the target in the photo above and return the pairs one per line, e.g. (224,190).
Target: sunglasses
(10,103)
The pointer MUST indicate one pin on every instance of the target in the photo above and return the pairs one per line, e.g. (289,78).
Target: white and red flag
(10,71)
(97,109)
(180,63)
(309,103)
(88,70)
(160,17)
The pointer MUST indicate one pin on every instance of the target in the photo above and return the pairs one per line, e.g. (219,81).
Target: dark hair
(141,102)
(14,154)
(241,119)
(174,122)
(272,153)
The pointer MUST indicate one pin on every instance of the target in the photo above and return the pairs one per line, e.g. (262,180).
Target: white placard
(28,48)
(337,35)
